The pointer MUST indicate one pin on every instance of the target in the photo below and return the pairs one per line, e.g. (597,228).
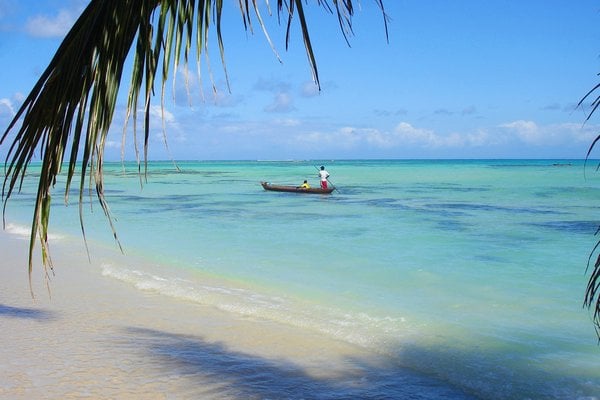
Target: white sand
(99,338)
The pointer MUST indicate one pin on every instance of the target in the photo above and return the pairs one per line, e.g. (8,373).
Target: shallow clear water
(472,272)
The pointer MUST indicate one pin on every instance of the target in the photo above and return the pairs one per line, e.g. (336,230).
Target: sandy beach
(94,337)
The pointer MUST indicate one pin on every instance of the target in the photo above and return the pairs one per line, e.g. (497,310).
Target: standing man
(323,174)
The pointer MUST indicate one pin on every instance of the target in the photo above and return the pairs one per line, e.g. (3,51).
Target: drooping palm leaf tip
(67,115)
(592,292)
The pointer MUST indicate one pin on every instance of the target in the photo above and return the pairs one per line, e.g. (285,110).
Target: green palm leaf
(70,109)
(592,292)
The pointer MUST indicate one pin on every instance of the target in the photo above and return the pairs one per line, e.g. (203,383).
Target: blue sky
(458,79)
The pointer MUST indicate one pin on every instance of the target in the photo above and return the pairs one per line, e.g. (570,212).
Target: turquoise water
(468,272)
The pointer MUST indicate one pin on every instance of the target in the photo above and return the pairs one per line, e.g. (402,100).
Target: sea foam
(24,232)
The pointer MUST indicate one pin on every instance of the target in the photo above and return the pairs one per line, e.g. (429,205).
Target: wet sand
(94,337)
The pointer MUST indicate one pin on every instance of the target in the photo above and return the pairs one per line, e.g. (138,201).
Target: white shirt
(323,174)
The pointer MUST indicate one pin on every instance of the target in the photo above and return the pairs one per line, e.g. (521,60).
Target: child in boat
(305,185)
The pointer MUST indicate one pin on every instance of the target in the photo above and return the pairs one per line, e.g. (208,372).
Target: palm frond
(595,102)
(70,109)
(592,291)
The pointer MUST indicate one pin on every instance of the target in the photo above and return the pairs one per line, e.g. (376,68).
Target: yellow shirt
(305,186)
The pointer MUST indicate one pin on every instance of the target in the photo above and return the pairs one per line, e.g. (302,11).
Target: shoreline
(224,294)
(93,336)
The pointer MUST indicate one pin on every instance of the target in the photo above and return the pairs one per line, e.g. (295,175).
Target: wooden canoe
(295,189)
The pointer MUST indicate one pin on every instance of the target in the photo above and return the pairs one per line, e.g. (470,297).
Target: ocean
(466,276)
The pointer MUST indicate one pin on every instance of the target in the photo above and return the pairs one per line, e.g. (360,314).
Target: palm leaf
(70,109)
(592,292)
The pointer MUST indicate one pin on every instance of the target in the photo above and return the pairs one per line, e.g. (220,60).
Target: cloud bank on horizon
(460,80)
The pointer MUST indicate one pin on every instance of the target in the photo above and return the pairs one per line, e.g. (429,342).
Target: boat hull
(294,189)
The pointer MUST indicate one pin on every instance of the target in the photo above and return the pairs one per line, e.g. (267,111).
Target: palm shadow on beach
(245,376)
(26,313)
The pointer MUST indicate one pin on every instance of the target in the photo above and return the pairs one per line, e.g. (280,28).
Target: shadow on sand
(25,313)
(232,374)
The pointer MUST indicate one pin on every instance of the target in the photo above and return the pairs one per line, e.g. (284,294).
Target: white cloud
(194,87)
(157,111)
(298,137)
(482,138)
(282,103)
(7,108)
(172,131)
(527,131)
(112,144)
(309,89)
(405,135)
(348,137)
(553,134)
(19,97)
(222,98)
(55,26)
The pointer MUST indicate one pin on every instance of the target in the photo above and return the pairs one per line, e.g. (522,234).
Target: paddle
(331,183)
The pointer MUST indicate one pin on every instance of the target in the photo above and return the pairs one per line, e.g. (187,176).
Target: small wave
(358,328)
(24,232)
(221,297)
(147,282)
